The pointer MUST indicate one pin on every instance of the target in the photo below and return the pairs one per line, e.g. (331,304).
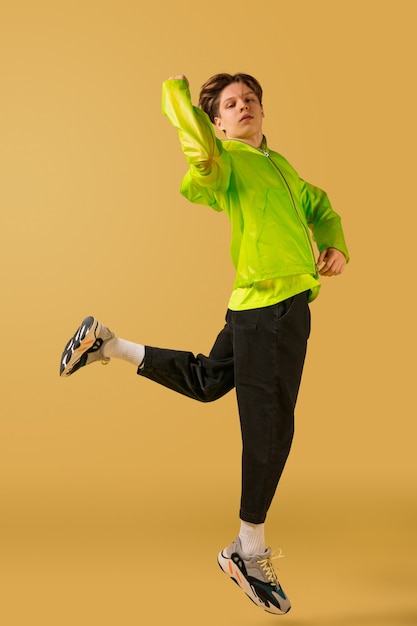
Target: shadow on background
(400,618)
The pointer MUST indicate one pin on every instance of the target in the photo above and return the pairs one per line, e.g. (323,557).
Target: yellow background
(116,495)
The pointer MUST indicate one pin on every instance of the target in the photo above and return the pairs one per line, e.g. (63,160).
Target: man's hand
(179,77)
(331,262)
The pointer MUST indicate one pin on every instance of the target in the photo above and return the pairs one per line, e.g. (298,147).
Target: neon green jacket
(270,207)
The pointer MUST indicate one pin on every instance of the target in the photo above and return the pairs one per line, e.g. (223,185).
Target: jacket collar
(238,144)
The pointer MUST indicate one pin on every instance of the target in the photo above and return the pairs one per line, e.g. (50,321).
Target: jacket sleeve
(209,165)
(324,222)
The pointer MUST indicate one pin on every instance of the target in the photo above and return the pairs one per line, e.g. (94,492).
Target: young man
(261,349)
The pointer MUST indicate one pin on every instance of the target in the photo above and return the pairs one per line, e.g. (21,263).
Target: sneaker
(256,576)
(85,346)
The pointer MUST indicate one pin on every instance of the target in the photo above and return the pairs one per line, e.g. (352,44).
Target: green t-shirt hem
(269,292)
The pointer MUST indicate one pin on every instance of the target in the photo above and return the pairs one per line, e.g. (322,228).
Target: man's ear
(218,123)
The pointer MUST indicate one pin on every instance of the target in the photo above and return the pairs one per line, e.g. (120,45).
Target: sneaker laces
(268,568)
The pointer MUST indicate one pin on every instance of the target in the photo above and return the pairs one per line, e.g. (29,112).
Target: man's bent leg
(203,378)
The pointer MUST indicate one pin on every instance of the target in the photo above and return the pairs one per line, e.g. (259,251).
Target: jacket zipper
(265,153)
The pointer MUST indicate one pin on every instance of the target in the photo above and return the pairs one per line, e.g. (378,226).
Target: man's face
(240,114)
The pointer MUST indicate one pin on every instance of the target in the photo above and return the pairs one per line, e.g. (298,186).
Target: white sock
(121,349)
(252,538)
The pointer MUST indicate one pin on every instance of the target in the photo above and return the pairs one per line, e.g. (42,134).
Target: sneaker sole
(83,339)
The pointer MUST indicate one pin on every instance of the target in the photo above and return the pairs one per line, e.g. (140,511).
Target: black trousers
(261,353)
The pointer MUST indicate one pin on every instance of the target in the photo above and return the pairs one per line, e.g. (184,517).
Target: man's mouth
(246,117)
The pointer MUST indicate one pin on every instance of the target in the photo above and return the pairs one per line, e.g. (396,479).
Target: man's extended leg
(269,348)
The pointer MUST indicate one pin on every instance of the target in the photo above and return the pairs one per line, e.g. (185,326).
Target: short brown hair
(212,88)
